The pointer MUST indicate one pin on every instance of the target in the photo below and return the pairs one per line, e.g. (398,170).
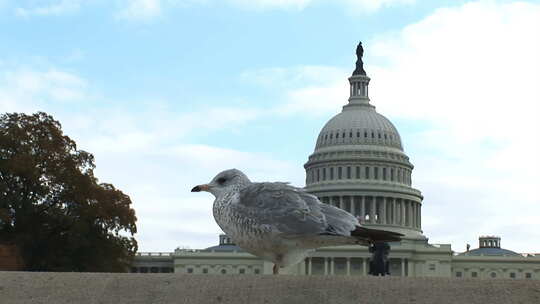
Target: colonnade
(329,267)
(380,209)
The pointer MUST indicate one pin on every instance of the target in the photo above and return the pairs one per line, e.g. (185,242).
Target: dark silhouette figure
(379,264)
(359,64)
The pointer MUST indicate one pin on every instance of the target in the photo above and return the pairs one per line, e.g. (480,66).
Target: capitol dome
(359,125)
(359,165)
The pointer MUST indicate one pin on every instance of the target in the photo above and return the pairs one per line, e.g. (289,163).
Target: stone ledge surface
(95,288)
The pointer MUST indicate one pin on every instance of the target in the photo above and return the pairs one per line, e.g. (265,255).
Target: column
(402,267)
(394,212)
(364,272)
(403,212)
(325,266)
(383,211)
(353,205)
(341,203)
(348,266)
(410,269)
(332,266)
(372,211)
(310,265)
(363,208)
(419,216)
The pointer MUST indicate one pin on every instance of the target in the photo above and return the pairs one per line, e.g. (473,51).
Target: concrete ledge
(59,288)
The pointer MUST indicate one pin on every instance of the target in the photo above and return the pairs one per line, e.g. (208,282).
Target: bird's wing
(292,212)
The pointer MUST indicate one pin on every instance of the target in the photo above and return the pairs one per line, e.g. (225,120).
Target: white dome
(359,125)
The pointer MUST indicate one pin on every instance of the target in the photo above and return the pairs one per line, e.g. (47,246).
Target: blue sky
(166,93)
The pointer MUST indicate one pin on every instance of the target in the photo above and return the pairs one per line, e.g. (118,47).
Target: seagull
(281,223)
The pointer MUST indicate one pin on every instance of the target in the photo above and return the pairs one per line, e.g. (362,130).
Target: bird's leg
(275,269)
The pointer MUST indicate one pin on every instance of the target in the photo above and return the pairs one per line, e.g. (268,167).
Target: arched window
(223,271)
(493,274)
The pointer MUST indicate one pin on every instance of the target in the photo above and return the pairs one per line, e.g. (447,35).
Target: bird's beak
(200,188)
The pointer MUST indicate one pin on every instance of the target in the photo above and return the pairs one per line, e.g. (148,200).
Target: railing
(154,253)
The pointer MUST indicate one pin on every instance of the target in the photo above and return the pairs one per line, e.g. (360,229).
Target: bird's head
(224,182)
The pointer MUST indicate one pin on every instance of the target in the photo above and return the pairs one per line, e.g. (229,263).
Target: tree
(51,205)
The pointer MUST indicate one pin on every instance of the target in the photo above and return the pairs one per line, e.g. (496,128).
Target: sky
(167,93)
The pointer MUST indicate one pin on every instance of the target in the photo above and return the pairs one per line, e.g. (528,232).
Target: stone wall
(10,258)
(58,288)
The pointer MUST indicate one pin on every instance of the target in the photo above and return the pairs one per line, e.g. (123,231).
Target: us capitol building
(359,165)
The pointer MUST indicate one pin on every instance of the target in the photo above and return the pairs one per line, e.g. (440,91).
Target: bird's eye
(221,180)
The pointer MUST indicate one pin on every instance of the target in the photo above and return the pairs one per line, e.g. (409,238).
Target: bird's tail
(376,235)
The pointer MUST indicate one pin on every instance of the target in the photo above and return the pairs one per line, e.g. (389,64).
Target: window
(372,134)
(365,134)
(144,269)
(257,271)
(528,275)
(324,174)
(343,134)
(337,135)
(493,275)
(318,174)
(358,134)
(331,173)
(154,270)
(431,266)
(190,270)
(512,275)
(358,172)
(241,271)
(205,270)
(474,274)
(459,274)
(223,271)
(339,172)
(392,174)
(384,173)
(348,172)
(367,172)
(134,269)
(350,134)
(376,172)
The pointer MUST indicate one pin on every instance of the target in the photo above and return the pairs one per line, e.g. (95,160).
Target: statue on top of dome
(359,64)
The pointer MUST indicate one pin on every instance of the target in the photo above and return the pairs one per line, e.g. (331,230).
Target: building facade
(359,165)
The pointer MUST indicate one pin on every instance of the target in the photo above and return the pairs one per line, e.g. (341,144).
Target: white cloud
(469,77)
(309,90)
(140,9)
(54,8)
(271,4)
(23,89)
(358,6)
(472,74)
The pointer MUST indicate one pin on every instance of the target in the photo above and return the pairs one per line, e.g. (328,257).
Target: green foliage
(53,207)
